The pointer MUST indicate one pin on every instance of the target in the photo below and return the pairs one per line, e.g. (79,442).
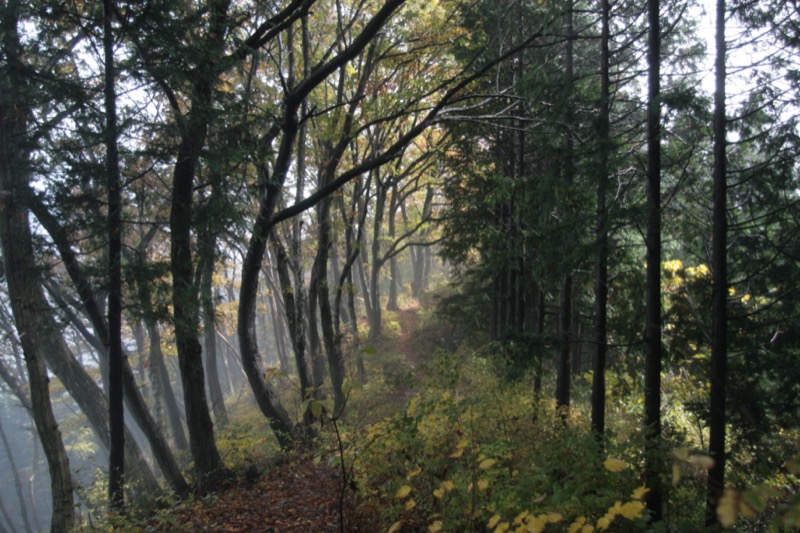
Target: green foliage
(247,440)
(465,454)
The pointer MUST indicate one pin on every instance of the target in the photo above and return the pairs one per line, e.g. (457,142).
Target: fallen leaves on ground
(297,497)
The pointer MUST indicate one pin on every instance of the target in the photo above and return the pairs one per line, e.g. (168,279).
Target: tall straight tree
(652,331)
(116,410)
(565,318)
(601,273)
(719,263)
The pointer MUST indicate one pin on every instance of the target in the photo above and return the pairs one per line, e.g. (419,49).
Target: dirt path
(408,345)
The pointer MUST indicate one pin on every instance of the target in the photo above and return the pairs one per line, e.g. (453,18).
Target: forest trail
(299,496)
(408,328)
(296,497)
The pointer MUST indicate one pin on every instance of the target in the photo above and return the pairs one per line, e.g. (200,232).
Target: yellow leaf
(438,493)
(639,492)
(521,516)
(402,492)
(728,508)
(448,485)
(681,454)
(493,521)
(502,528)
(614,465)
(395,527)
(435,527)
(676,474)
(486,464)
(553,518)
(483,484)
(417,471)
(577,525)
(410,504)
(458,453)
(703,461)
(463,443)
(588,528)
(632,510)
(604,523)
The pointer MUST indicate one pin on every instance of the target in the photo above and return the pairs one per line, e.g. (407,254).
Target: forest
(399,265)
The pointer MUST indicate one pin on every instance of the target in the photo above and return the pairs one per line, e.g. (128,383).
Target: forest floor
(299,495)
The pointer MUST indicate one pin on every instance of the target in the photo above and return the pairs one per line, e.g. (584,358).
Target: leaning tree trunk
(25,293)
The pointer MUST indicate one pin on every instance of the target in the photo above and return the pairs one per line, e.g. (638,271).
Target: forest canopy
(516,265)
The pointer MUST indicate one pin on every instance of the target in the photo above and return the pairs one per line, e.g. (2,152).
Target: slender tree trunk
(332,347)
(23,502)
(601,273)
(29,307)
(21,273)
(296,325)
(719,323)
(116,405)
(92,308)
(210,335)
(652,378)
(565,322)
(170,401)
(375,318)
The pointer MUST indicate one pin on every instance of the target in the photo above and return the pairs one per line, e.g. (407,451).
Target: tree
(20,271)
(652,330)
(116,413)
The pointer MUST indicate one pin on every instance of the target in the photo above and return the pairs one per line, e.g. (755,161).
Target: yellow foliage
(703,461)
(483,484)
(486,464)
(728,508)
(493,521)
(410,504)
(614,465)
(438,493)
(577,525)
(639,492)
(502,528)
(395,527)
(403,492)
(435,527)
(604,523)
(632,510)
(673,266)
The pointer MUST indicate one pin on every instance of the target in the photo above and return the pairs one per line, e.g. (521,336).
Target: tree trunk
(565,322)
(719,321)
(116,405)
(23,502)
(296,326)
(27,300)
(210,335)
(652,334)
(601,272)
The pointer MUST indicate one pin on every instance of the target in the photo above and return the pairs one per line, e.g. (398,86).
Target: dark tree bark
(21,273)
(296,326)
(719,320)
(652,333)
(565,322)
(601,273)
(116,406)
(133,398)
(25,294)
